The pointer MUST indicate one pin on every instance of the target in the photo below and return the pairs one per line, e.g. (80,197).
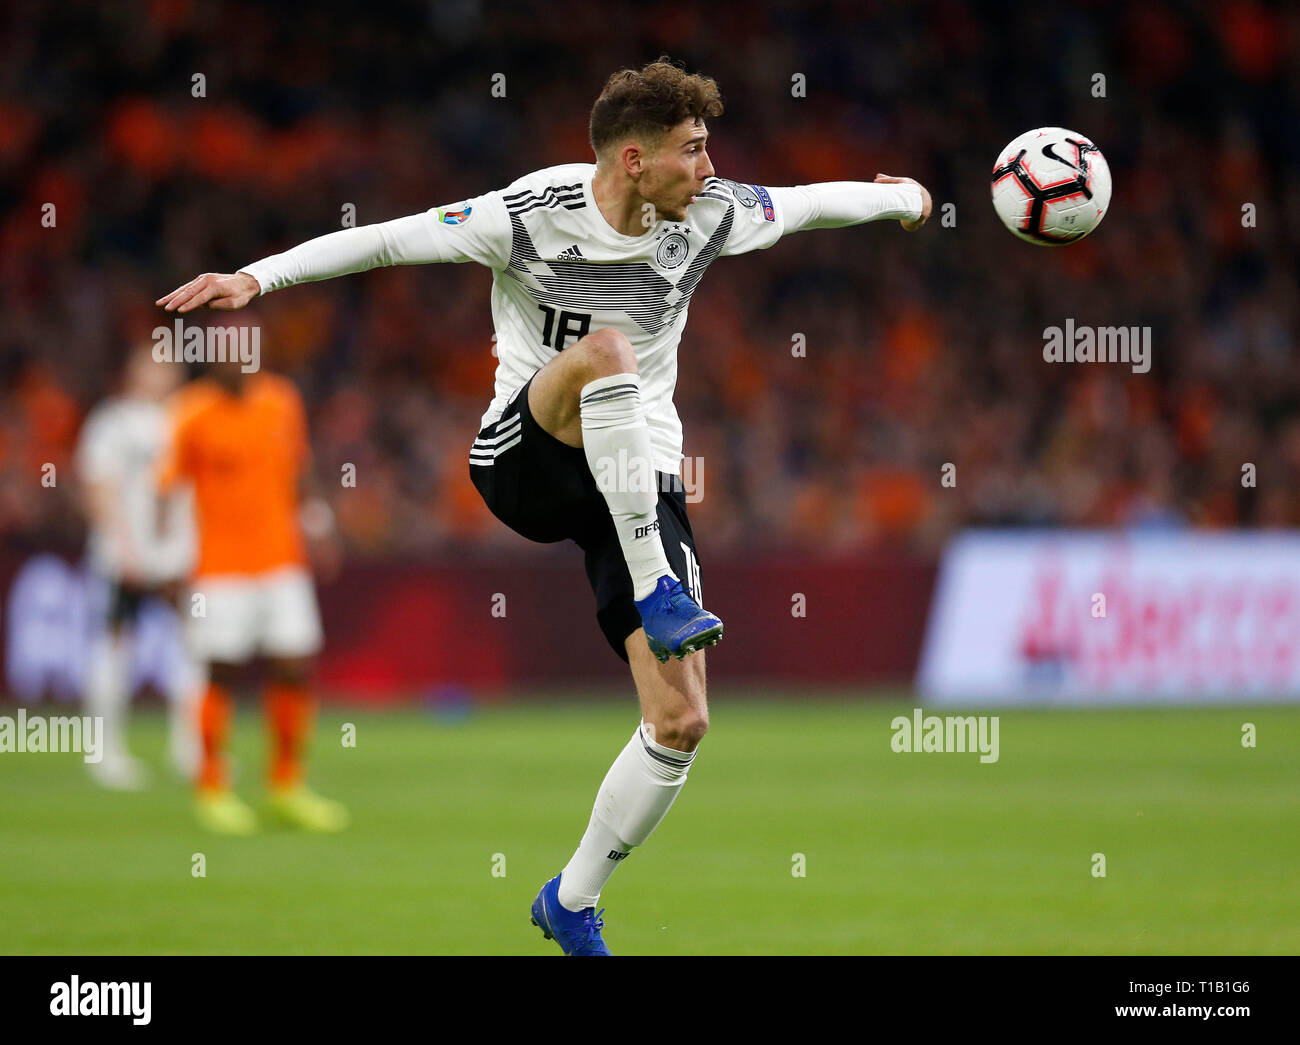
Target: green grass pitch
(904,853)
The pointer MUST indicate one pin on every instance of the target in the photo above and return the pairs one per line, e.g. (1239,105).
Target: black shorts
(543,489)
(125,601)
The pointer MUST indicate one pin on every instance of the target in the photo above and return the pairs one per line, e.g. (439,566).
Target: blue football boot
(577,932)
(674,623)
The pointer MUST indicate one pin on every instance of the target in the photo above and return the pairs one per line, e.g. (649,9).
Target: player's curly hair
(650,102)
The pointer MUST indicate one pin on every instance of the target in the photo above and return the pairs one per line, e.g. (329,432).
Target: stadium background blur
(820,473)
(920,350)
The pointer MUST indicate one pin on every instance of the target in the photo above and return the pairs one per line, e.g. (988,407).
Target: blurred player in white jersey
(142,546)
(594,266)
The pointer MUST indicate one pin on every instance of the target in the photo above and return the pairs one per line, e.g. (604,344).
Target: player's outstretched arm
(477,230)
(822,205)
(836,204)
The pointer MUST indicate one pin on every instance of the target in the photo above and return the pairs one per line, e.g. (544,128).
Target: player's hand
(224,291)
(911,226)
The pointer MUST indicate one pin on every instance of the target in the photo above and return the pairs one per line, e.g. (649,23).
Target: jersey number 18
(570,324)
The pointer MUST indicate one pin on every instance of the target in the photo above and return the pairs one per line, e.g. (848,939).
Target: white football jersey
(561,270)
(121,443)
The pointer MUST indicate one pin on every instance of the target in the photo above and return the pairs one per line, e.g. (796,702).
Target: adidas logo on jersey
(571,254)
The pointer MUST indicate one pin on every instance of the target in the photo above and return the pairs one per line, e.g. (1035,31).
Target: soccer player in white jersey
(594,266)
(142,546)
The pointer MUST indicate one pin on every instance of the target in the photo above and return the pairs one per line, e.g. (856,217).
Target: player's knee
(683,731)
(606,351)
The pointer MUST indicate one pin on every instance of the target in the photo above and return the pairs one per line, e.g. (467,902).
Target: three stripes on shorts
(486,448)
(509,432)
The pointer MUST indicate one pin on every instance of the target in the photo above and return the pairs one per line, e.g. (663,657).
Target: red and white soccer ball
(1051,186)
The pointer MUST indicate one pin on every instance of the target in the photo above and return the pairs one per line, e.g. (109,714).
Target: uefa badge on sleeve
(455,215)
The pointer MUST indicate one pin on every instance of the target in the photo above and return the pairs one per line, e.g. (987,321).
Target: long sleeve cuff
(834,204)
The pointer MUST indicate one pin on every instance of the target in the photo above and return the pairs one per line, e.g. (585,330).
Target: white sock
(616,439)
(635,795)
(106,691)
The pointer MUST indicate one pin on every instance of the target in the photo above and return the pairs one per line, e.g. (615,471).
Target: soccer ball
(1051,186)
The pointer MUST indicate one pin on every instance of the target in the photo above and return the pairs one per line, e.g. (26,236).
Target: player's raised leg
(590,396)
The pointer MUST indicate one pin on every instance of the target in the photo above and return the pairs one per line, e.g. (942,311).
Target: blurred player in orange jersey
(241,441)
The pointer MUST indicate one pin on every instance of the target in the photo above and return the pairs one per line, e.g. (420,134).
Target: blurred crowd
(823,383)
